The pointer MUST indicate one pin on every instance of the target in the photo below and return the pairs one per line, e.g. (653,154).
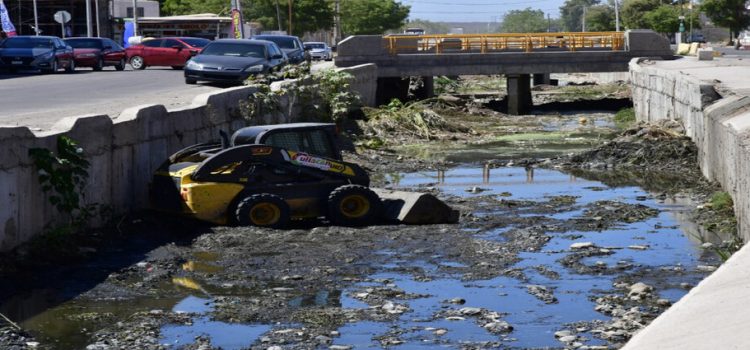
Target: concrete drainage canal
(541,258)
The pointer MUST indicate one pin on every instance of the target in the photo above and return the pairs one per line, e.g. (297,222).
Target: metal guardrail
(518,42)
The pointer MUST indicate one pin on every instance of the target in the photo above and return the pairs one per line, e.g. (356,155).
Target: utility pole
(135,17)
(583,19)
(36,21)
(290,17)
(96,10)
(337,23)
(617,17)
(89,32)
(278,14)
(549,24)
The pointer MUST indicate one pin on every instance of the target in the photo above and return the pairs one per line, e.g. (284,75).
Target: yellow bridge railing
(510,42)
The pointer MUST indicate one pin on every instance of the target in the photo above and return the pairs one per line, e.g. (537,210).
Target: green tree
(633,13)
(571,13)
(728,13)
(372,16)
(524,21)
(600,18)
(664,19)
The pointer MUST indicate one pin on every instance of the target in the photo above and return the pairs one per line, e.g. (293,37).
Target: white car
(319,51)
(744,39)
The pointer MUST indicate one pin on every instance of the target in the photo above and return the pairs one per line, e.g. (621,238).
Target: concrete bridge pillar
(390,88)
(541,79)
(427,90)
(519,93)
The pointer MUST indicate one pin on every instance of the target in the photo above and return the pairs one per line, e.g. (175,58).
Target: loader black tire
(262,210)
(353,205)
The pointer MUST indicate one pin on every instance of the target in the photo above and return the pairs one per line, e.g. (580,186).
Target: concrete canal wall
(711,99)
(124,152)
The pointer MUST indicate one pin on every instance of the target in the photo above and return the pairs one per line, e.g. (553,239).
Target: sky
(476,10)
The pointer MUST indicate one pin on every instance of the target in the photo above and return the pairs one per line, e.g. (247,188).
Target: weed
(445,85)
(722,202)
(322,96)
(413,117)
(625,117)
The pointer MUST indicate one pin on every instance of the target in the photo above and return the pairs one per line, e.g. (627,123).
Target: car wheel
(190,81)
(53,67)
(71,68)
(99,64)
(120,65)
(263,210)
(177,67)
(353,205)
(137,62)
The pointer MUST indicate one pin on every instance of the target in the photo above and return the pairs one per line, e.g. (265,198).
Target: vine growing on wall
(63,177)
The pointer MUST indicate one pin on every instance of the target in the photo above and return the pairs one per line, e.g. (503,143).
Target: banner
(6,26)
(237,24)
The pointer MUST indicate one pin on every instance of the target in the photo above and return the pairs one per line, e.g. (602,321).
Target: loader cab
(312,138)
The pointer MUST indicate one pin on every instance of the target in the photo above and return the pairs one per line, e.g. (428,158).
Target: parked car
(696,38)
(291,45)
(44,53)
(319,51)
(234,60)
(173,52)
(97,53)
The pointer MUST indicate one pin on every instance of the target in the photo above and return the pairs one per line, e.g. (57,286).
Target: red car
(97,53)
(172,52)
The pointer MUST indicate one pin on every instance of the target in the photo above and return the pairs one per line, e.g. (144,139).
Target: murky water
(667,237)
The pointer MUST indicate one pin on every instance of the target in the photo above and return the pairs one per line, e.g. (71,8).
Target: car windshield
(283,42)
(196,42)
(234,49)
(28,43)
(316,45)
(84,43)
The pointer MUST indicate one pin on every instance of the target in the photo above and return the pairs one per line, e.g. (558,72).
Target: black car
(291,45)
(45,53)
(234,60)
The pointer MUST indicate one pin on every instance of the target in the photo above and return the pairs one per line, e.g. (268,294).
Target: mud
(540,258)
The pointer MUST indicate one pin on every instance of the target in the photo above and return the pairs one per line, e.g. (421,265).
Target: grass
(722,201)
(625,117)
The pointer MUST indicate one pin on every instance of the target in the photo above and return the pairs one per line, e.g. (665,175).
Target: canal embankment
(712,100)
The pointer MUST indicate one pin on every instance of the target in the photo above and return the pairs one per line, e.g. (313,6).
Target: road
(40,100)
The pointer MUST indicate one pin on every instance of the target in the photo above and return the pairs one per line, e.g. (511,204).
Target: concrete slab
(416,208)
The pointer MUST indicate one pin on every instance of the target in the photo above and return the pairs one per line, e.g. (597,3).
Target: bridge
(518,56)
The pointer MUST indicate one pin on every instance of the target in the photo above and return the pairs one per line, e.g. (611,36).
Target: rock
(568,338)
(498,327)
(640,289)
(638,247)
(564,333)
(458,301)
(440,332)
(663,302)
(707,245)
(455,318)
(470,311)
(340,347)
(322,339)
(581,245)
(706,268)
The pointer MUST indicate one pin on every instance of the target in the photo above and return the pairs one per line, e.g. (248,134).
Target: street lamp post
(135,17)
(617,17)
(36,21)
